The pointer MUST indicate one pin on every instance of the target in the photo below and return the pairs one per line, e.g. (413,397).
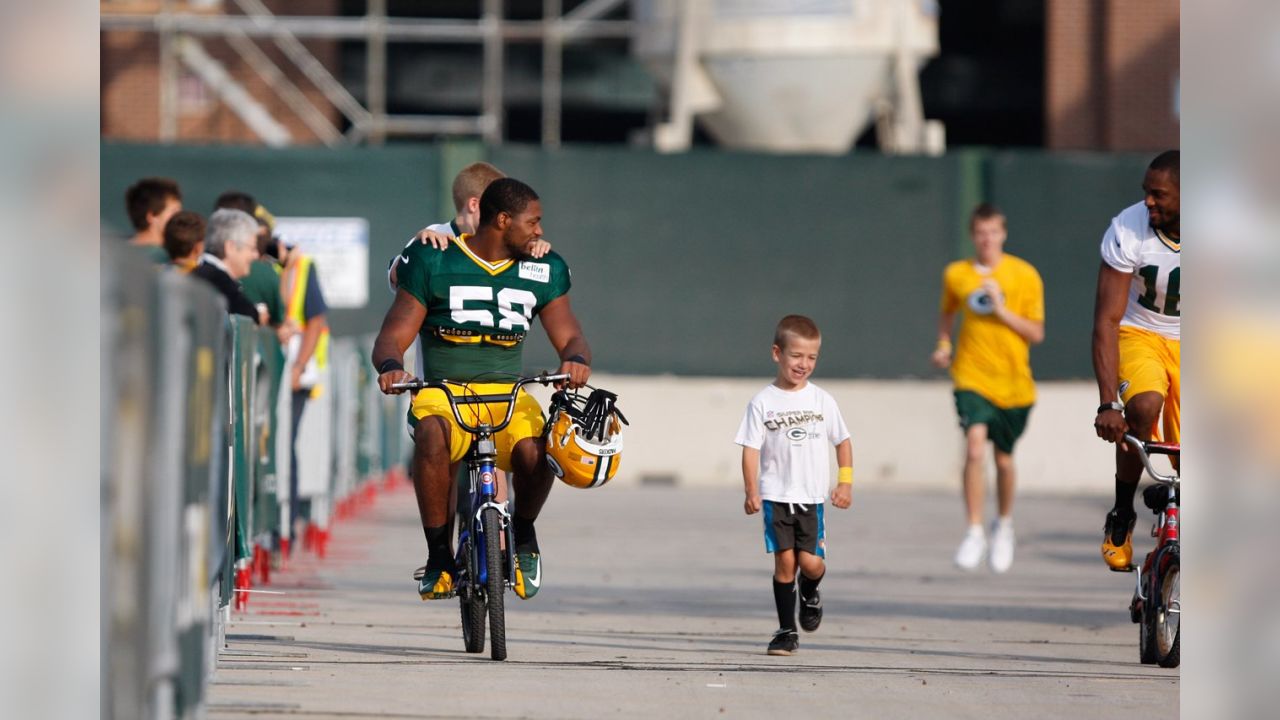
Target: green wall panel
(683,263)
(1058,207)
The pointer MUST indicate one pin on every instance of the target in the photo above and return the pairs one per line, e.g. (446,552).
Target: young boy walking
(785,438)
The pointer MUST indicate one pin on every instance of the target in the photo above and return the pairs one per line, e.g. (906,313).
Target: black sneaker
(811,612)
(784,642)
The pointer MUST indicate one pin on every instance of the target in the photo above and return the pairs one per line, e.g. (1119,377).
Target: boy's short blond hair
(795,326)
(471,182)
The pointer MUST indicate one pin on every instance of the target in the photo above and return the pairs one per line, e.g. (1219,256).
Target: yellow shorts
(526,421)
(1150,362)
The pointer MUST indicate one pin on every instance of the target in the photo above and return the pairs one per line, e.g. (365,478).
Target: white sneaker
(972,548)
(1002,543)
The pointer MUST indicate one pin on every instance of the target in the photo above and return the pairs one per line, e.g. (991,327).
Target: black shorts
(792,526)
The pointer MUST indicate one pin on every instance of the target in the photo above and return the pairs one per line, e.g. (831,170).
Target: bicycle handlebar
(1146,449)
(475,399)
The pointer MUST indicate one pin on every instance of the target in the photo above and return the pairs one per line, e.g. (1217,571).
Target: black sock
(808,587)
(525,537)
(1124,498)
(439,556)
(784,596)
(1123,510)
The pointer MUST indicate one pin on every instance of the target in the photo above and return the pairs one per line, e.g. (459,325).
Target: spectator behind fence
(184,240)
(262,284)
(230,246)
(305,307)
(150,203)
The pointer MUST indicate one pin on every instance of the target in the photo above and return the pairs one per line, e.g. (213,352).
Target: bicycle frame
(1166,529)
(482,493)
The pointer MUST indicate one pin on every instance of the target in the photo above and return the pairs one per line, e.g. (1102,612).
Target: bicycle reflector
(584,437)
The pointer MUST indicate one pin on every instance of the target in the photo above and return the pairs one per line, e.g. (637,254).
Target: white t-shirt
(794,432)
(444,228)
(1132,246)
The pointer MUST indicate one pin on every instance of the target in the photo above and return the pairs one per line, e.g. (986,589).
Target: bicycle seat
(1155,497)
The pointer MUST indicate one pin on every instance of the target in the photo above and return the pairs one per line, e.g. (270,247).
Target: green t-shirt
(477,312)
(262,285)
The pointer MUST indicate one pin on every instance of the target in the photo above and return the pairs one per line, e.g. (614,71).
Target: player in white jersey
(1136,338)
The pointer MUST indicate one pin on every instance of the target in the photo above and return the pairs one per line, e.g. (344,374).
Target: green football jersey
(262,285)
(155,253)
(478,312)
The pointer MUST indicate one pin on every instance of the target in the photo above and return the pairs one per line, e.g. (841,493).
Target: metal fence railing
(194,481)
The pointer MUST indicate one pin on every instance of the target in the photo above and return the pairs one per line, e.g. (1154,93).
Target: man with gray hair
(230,246)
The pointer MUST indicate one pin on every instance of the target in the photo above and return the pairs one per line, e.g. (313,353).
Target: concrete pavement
(656,602)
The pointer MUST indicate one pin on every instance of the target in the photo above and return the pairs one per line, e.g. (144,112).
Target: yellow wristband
(943,345)
(846,476)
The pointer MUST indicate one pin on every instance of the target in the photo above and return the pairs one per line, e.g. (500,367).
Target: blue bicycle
(485,555)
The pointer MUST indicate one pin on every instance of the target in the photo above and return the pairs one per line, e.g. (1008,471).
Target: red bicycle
(1156,605)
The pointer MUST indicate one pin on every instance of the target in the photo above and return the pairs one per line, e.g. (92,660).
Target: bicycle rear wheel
(1167,614)
(496,585)
(472,601)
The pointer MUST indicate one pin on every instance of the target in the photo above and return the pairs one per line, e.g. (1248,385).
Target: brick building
(131,78)
(1111,74)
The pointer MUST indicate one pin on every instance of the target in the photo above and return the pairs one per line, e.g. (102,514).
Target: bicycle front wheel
(496,585)
(1168,614)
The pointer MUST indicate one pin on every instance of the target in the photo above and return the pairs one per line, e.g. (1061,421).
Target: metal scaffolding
(179,34)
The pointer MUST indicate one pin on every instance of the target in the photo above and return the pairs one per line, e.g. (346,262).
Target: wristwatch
(1113,405)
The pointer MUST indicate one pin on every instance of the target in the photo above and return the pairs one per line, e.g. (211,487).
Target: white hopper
(799,76)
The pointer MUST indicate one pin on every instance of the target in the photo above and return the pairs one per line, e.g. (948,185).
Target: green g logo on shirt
(980,303)
(797,434)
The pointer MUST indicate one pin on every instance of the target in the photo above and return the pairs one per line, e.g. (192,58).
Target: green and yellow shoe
(528,574)
(435,585)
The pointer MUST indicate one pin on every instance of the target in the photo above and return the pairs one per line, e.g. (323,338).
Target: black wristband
(1111,406)
(578,359)
(388,365)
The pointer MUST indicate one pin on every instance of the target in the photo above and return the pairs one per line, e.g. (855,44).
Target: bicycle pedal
(1135,610)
